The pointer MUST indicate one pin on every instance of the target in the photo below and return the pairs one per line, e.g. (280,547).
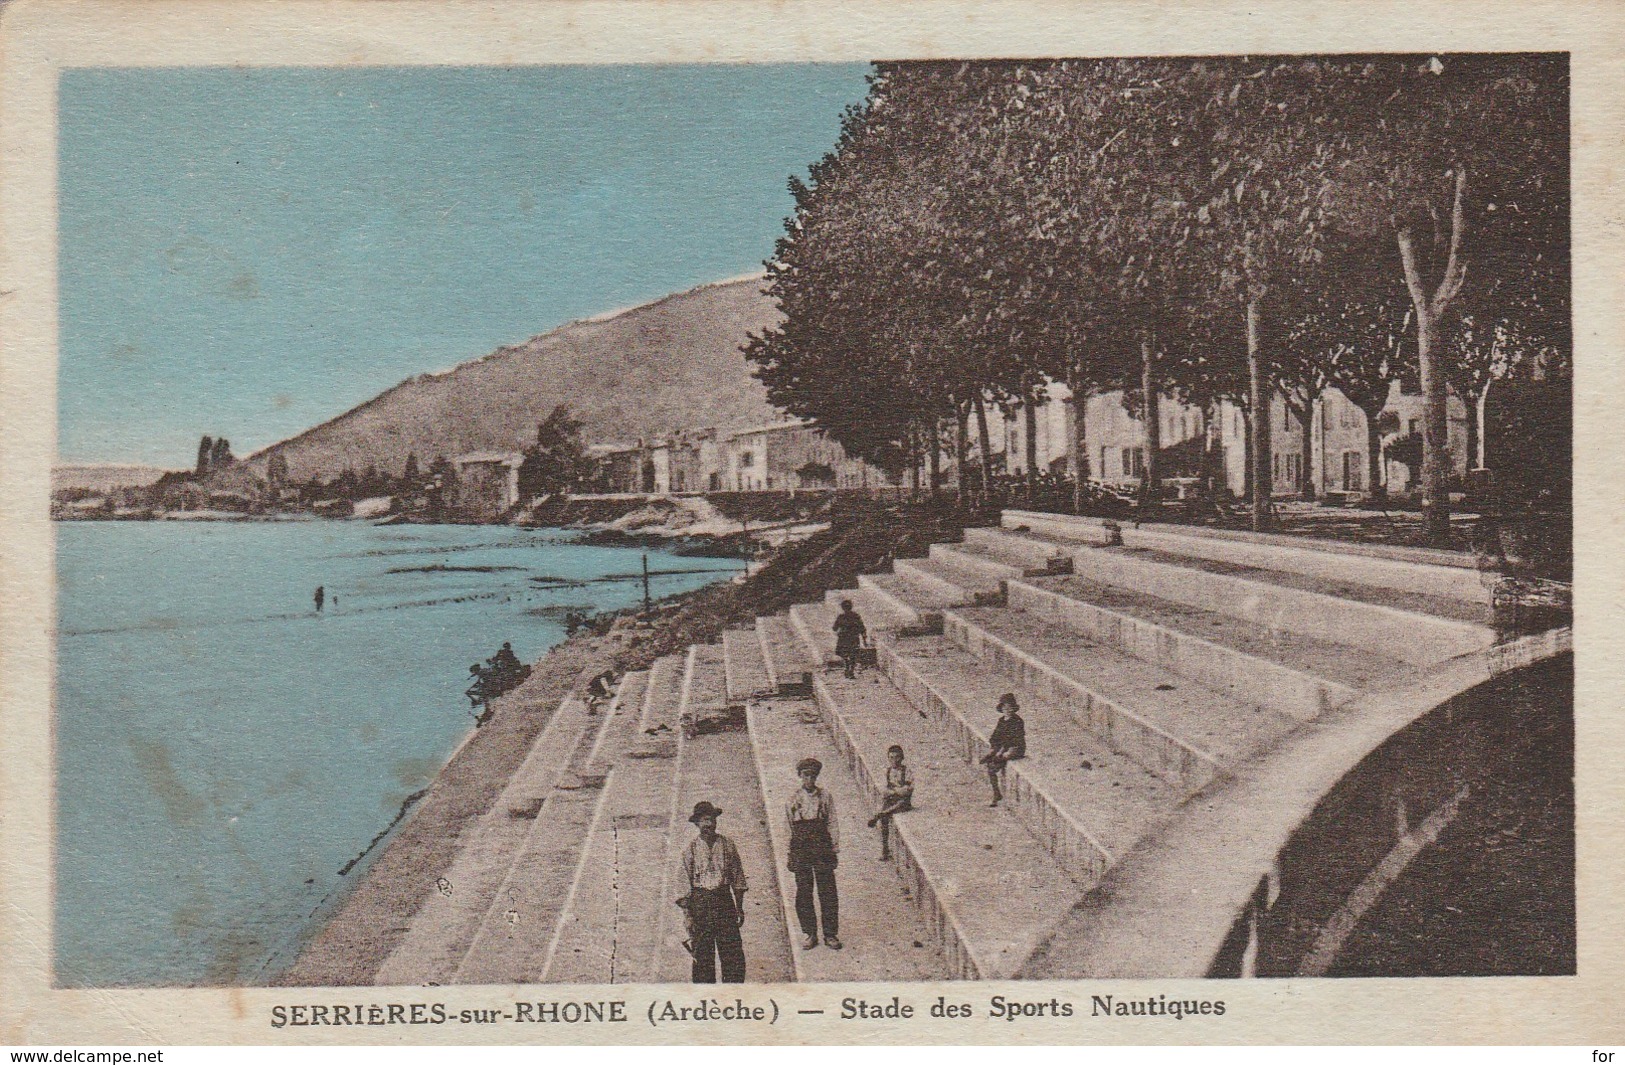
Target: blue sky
(249,252)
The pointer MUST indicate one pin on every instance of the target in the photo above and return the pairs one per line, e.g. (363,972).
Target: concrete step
(746,672)
(443,927)
(908,594)
(977,564)
(1217,651)
(988,890)
(705,686)
(1448,592)
(1426,572)
(662,696)
(1184,733)
(1085,803)
(1421,639)
(877,611)
(611,927)
(883,933)
(947,580)
(1297,675)
(1472,612)
(520,929)
(720,768)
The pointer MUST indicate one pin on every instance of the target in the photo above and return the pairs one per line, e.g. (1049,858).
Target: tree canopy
(1214,228)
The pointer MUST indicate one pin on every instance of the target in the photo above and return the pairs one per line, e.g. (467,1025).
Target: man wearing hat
(815,841)
(715,901)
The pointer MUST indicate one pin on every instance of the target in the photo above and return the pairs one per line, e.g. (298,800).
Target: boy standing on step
(815,841)
(716,900)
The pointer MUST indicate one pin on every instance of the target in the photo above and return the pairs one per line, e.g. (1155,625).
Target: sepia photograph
(1097,525)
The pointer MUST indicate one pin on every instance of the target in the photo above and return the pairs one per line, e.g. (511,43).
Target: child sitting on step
(899,797)
(1009,742)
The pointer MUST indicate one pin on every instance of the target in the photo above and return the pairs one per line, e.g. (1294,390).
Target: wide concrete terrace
(1189,697)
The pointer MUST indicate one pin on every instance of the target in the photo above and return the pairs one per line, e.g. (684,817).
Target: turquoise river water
(223,750)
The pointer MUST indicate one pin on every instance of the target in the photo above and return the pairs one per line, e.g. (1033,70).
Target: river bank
(724,525)
(370,921)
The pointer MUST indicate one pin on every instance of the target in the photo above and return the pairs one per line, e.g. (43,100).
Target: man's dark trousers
(828,901)
(716,935)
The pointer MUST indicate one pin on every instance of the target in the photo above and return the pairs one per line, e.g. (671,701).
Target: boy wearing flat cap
(715,901)
(815,840)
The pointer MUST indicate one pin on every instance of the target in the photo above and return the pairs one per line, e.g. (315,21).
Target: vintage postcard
(1029,522)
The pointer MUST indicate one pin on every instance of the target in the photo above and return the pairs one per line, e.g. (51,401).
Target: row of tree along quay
(1209,228)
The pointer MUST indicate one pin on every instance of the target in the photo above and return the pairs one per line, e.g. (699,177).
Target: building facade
(488,482)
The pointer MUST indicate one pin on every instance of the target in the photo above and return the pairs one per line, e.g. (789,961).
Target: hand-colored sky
(249,252)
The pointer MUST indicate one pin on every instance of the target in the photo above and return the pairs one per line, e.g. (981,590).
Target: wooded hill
(652,370)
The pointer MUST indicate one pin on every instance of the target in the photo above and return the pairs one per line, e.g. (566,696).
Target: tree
(205,453)
(410,475)
(276,470)
(1301,378)
(442,488)
(1264,217)
(1516,313)
(220,455)
(557,461)
(1369,350)
(1457,161)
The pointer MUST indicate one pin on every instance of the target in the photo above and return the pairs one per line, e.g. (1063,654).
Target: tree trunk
(1435,434)
(1211,474)
(913,468)
(1474,460)
(1078,444)
(985,444)
(1030,409)
(1431,303)
(961,450)
(1306,473)
(1247,452)
(1373,456)
(1151,412)
(1258,397)
(936,457)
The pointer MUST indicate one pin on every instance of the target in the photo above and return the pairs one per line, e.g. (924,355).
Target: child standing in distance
(1009,742)
(849,636)
(899,797)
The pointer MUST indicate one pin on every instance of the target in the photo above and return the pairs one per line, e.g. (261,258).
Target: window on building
(1277,474)
(746,458)
(1104,452)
